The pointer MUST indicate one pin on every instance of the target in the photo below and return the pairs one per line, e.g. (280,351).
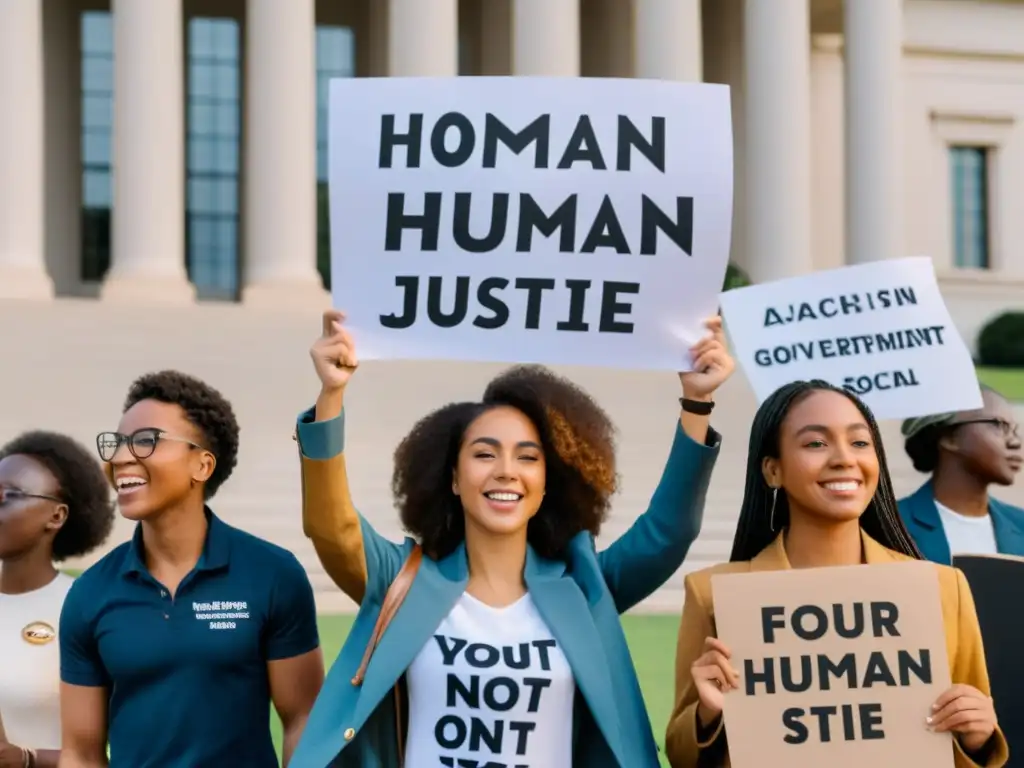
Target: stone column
(62,70)
(668,43)
(280,154)
(874,161)
(546,37)
(778,128)
(23,273)
(148,248)
(423,38)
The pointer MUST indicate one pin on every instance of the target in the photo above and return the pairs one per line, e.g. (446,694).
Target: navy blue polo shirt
(187,677)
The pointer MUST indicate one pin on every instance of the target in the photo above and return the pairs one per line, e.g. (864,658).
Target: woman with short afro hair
(55,505)
(176,644)
(964,453)
(507,648)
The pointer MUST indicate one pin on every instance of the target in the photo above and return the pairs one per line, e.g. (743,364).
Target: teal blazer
(579,597)
(921,517)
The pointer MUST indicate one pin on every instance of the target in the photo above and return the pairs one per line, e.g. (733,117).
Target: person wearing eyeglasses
(175,645)
(965,453)
(54,505)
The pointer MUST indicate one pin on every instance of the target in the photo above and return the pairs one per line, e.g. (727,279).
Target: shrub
(1001,341)
(735,278)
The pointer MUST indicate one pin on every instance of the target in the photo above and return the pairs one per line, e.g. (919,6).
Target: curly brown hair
(578,440)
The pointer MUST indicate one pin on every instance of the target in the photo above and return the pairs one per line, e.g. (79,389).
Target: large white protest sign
(880,330)
(550,220)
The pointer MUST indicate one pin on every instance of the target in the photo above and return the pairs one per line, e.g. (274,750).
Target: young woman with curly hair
(507,649)
(818,494)
(54,505)
(965,453)
(175,645)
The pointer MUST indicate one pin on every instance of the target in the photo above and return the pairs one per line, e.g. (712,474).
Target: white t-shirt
(30,665)
(491,686)
(968,535)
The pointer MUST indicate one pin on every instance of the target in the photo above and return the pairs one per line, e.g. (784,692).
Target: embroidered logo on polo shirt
(222,614)
(38,633)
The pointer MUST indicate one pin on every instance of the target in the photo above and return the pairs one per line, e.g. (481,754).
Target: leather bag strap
(392,601)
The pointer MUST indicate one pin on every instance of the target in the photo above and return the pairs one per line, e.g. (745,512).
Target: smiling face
(986,442)
(27,521)
(827,463)
(174,470)
(500,474)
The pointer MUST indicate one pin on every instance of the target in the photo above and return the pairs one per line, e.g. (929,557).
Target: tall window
(213,157)
(97,45)
(335,57)
(969,167)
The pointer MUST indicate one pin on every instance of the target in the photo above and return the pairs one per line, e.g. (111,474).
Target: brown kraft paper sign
(838,666)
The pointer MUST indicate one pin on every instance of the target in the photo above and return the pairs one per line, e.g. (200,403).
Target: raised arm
(353,554)
(654,547)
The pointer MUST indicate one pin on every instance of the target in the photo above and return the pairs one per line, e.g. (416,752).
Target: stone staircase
(66,365)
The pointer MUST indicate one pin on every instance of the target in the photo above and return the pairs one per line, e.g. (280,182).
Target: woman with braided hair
(507,648)
(818,494)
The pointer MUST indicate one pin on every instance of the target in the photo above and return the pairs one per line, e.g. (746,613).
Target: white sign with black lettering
(879,330)
(549,220)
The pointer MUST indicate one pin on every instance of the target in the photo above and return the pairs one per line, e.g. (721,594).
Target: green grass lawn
(1008,381)
(652,641)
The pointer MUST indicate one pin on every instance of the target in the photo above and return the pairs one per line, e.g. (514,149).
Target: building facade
(176,150)
(163,201)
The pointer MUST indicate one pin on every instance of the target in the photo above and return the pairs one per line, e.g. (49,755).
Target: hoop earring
(771,517)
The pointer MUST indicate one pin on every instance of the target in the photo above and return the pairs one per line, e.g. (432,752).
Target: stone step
(73,360)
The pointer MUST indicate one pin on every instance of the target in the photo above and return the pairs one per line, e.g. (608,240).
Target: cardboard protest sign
(996,583)
(550,220)
(838,666)
(880,330)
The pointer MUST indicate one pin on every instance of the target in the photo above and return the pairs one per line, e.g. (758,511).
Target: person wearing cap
(965,453)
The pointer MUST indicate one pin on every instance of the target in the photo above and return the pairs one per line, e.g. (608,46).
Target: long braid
(759,523)
(757,520)
(882,519)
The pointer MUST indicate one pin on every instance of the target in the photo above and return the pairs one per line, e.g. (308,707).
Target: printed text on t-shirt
(496,694)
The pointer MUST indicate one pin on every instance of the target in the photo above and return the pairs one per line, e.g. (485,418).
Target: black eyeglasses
(141,442)
(1005,427)
(14,495)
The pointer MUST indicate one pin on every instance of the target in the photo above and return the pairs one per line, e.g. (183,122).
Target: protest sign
(879,330)
(838,666)
(550,220)
(996,582)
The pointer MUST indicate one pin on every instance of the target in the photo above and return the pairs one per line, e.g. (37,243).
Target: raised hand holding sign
(712,363)
(334,357)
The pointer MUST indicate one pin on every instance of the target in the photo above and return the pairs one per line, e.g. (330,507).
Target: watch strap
(698,407)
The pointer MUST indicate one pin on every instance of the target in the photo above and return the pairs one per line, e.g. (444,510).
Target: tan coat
(963,643)
(331,522)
